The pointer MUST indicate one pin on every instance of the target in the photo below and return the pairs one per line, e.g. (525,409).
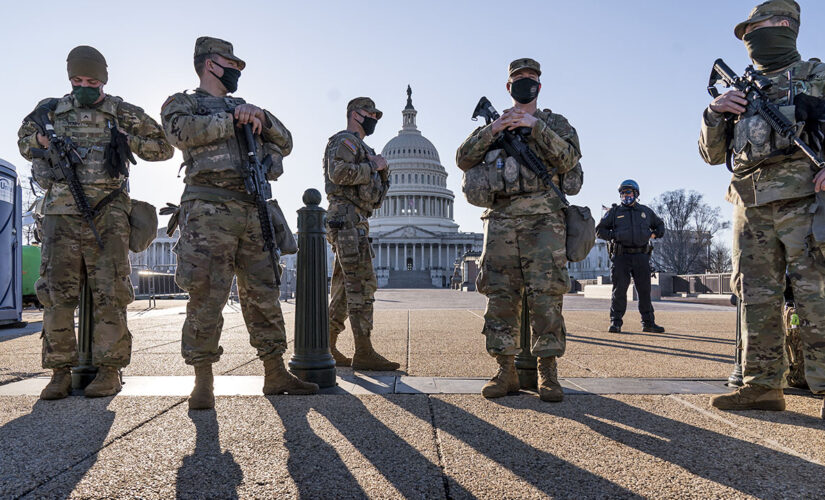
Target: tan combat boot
(203,395)
(277,380)
(750,397)
(106,383)
(365,357)
(340,359)
(504,381)
(60,385)
(549,387)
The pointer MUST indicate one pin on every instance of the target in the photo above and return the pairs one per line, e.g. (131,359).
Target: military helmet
(629,183)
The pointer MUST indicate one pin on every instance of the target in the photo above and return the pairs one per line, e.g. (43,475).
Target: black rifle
(64,159)
(254,179)
(754,86)
(514,144)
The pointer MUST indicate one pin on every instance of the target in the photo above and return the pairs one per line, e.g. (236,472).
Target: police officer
(524,234)
(778,206)
(628,229)
(104,129)
(220,233)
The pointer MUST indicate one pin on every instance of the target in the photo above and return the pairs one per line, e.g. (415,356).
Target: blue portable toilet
(11,245)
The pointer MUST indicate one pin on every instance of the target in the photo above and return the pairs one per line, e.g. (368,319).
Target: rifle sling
(108,199)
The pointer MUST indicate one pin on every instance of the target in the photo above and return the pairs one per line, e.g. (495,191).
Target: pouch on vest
(143,223)
(481,182)
(510,174)
(372,192)
(283,234)
(347,245)
(754,140)
(530,182)
(581,232)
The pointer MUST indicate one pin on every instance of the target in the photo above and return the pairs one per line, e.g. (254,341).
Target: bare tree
(690,227)
(31,192)
(718,258)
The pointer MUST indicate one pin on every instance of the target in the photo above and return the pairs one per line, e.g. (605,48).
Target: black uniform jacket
(630,226)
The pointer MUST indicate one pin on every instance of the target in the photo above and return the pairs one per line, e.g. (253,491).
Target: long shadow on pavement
(546,472)
(208,472)
(48,449)
(747,467)
(654,349)
(316,466)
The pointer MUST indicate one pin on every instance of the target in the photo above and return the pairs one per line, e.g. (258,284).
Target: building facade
(415,240)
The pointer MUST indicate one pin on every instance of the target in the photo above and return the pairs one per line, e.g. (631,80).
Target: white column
(396,257)
(439,254)
(379,255)
(404,265)
(431,256)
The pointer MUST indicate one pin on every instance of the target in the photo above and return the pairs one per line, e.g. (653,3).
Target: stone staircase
(409,279)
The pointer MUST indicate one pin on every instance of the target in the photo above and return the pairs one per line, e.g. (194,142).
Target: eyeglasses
(626,191)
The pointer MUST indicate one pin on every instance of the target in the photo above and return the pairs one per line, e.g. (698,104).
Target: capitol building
(415,240)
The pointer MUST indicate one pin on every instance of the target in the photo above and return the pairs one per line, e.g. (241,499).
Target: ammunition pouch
(143,225)
(283,234)
(273,160)
(372,193)
(754,140)
(572,180)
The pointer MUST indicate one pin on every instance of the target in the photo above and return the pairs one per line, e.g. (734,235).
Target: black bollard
(735,379)
(526,363)
(85,372)
(312,361)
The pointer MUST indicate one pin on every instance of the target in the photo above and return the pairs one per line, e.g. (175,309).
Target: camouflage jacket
(349,177)
(766,167)
(202,127)
(89,129)
(553,140)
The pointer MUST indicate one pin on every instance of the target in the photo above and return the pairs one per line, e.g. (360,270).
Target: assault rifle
(516,146)
(755,86)
(254,179)
(63,157)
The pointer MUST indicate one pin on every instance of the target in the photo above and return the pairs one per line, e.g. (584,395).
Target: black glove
(174,211)
(117,154)
(811,111)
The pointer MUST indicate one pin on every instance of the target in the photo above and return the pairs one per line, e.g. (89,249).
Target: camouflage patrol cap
(766,10)
(209,45)
(364,103)
(524,63)
(87,61)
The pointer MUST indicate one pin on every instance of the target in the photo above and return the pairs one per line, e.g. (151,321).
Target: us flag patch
(350,145)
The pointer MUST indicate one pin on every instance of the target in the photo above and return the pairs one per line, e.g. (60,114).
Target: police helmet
(629,183)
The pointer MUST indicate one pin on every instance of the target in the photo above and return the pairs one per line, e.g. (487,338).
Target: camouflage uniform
(68,243)
(354,190)
(220,232)
(524,240)
(774,202)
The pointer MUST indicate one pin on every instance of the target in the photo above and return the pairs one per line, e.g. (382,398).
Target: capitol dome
(418,193)
(415,241)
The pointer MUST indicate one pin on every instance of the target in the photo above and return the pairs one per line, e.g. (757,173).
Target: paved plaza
(635,421)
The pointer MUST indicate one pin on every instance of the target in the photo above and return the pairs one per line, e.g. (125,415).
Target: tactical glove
(117,154)
(174,211)
(811,111)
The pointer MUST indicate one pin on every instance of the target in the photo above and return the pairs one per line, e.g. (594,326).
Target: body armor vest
(220,156)
(89,129)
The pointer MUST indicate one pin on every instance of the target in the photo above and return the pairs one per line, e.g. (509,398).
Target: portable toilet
(11,244)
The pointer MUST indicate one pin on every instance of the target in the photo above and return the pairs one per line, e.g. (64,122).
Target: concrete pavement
(635,421)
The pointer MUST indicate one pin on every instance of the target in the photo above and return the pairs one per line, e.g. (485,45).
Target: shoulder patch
(349,144)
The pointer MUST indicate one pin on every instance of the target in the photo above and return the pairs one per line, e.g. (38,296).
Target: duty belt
(212,193)
(632,250)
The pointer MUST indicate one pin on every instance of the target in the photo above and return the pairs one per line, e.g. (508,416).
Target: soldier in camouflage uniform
(524,235)
(86,116)
(356,181)
(773,190)
(220,232)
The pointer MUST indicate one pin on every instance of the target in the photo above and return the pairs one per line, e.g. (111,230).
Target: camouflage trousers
(352,290)
(524,254)
(68,247)
(220,240)
(768,240)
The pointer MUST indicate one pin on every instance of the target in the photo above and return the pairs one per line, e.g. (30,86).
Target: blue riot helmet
(628,192)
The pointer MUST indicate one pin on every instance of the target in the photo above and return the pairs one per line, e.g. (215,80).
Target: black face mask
(368,124)
(525,90)
(229,79)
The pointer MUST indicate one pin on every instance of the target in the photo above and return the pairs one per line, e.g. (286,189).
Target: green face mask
(86,96)
(772,48)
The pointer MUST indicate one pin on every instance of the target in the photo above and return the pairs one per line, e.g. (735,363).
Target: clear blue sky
(629,75)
